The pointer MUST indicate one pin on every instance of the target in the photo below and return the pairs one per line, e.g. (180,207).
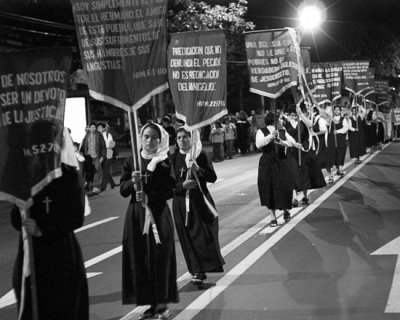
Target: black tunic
(275,184)
(62,289)
(308,175)
(337,146)
(148,269)
(357,138)
(323,152)
(199,239)
(371,139)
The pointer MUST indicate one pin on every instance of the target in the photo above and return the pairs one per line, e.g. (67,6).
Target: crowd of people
(167,187)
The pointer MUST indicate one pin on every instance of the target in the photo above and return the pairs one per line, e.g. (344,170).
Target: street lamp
(311,15)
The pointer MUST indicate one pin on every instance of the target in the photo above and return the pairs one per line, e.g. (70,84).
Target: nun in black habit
(57,210)
(194,211)
(148,254)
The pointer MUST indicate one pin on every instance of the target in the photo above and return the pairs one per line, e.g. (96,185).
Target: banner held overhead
(355,75)
(197,76)
(272,60)
(122,46)
(327,81)
(33,89)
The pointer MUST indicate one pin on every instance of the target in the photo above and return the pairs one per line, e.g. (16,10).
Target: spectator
(107,163)
(217,141)
(94,149)
(166,123)
(230,133)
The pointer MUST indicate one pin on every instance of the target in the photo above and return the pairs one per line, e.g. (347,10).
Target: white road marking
(103,256)
(94,224)
(8,299)
(210,294)
(92,274)
(392,248)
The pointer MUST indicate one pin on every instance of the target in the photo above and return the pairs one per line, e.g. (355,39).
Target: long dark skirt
(199,238)
(148,269)
(275,184)
(370,135)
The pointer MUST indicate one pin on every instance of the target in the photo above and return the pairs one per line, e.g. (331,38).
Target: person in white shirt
(107,164)
(275,182)
(337,139)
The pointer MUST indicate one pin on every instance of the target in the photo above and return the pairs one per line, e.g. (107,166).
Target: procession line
(221,285)
(185,278)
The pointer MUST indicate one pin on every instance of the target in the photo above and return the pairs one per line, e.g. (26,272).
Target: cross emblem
(182,170)
(146,175)
(47,202)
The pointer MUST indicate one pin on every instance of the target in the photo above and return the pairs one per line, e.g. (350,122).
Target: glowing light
(310,17)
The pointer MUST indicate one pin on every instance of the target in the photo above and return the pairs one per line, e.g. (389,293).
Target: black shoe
(198,278)
(273,223)
(149,313)
(286,216)
(295,203)
(340,173)
(304,201)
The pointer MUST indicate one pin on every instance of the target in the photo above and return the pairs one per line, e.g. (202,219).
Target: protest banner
(355,75)
(396,116)
(304,89)
(122,46)
(381,89)
(33,86)
(306,57)
(327,80)
(370,89)
(197,76)
(272,58)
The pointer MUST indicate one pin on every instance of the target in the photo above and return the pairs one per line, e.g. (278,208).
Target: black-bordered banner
(122,46)
(33,89)
(197,76)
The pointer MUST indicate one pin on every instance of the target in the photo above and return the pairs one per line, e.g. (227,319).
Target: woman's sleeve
(262,140)
(126,188)
(206,168)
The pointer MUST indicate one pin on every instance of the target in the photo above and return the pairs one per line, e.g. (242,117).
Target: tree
(188,15)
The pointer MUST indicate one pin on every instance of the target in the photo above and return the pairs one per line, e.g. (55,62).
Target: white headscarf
(67,152)
(195,148)
(163,148)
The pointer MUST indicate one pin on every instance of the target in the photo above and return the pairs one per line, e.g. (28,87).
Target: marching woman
(57,210)
(320,140)
(307,172)
(275,185)
(356,135)
(193,207)
(380,131)
(337,140)
(371,129)
(148,254)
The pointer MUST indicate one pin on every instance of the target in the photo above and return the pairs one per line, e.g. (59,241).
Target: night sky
(350,29)
(350,26)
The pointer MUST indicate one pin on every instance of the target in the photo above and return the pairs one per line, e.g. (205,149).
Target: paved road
(319,266)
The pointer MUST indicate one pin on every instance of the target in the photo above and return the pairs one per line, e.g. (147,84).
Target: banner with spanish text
(33,89)
(197,76)
(122,46)
(273,61)
(381,89)
(355,75)
(327,81)
(370,89)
